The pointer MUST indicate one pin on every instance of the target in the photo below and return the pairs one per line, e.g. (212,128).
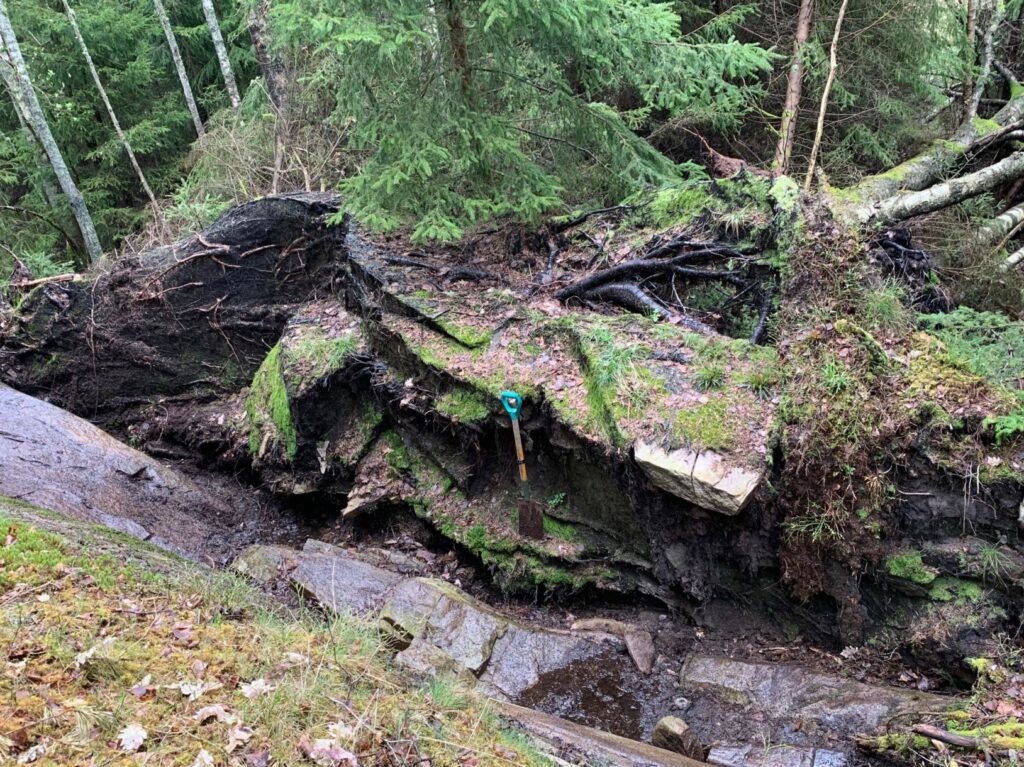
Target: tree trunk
(49,192)
(40,127)
(833,65)
(110,108)
(924,169)
(987,58)
(904,206)
(972,33)
(179,66)
(794,87)
(1001,226)
(222,53)
(274,78)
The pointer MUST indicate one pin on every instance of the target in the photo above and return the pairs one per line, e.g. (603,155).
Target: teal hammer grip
(513,404)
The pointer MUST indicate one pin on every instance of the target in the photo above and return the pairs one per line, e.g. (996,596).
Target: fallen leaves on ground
(120,669)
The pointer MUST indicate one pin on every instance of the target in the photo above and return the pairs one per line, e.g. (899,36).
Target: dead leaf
(84,657)
(258,758)
(198,668)
(203,759)
(216,711)
(256,688)
(132,737)
(196,689)
(327,753)
(237,736)
(144,690)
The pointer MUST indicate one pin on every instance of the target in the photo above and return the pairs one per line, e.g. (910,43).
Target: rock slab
(506,657)
(673,734)
(824,704)
(704,478)
(748,755)
(58,461)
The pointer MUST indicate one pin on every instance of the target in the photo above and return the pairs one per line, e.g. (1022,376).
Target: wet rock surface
(56,460)
(749,755)
(790,704)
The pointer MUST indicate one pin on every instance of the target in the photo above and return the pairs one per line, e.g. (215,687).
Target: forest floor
(159,662)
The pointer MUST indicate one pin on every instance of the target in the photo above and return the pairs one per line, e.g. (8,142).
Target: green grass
(709,377)
(884,309)
(836,376)
(89,646)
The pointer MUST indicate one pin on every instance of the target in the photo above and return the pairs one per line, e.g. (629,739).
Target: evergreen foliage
(129,50)
(459,112)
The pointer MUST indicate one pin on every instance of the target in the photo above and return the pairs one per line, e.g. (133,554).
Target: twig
(69,277)
(944,736)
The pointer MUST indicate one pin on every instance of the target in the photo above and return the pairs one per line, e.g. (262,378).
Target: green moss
(708,426)
(267,407)
(462,405)
(681,205)
(313,358)
(956,590)
(984,127)
(910,567)
(558,529)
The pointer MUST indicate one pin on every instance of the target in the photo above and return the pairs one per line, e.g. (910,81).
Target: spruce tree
(457,112)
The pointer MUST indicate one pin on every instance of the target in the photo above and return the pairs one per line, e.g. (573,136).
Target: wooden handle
(520,455)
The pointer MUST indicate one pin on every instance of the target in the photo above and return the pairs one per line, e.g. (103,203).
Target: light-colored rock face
(704,478)
(58,461)
(826,705)
(506,657)
(748,755)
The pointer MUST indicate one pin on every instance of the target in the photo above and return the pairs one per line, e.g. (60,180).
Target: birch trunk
(1000,226)
(904,206)
(833,65)
(794,88)
(37,120)
(222,54)
(49,192)
(106,103)
(179,66)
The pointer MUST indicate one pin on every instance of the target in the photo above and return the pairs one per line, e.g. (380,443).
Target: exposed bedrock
(354,379)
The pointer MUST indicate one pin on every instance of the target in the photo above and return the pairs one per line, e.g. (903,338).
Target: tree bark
(794,88)
(179,66)
(47,189)
(1000,226)
(40,127)
(904,206)
(987,59)
(833,65)
(972,33)
(110,108)
(222,54)
(274,78)
(927,167)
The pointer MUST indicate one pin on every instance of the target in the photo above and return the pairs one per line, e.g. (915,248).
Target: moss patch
(463,405)
(267,409)
(910,567)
